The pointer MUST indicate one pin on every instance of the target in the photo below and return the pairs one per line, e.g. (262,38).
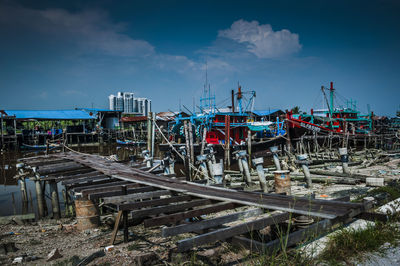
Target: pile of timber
(160,201)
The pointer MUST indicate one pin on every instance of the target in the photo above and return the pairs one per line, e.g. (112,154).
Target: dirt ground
(31,243)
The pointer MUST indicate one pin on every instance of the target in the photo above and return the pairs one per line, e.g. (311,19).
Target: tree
(296,110)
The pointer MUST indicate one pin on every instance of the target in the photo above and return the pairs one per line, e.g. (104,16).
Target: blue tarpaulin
(50,114)
(266,112)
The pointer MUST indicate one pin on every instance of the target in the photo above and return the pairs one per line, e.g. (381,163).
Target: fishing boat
(334,120)
(224,126)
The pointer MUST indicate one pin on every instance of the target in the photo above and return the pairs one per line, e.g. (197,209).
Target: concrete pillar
(55,202)
(202,160)
(274,150)
(165,164)
(24,194)
(209,152)
(186,160)
(212,153)
(218,170)
(239,163)
(147,158)
(243,158)
(39,197)
(344,157)
(258,163)
(171,166)
(302,160)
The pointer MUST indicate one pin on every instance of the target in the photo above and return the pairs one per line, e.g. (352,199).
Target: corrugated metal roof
(134,119)
(266,112)
(50,114)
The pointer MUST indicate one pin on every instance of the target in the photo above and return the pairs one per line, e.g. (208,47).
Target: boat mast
(331,90)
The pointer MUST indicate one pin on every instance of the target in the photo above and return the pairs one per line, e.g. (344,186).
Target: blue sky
(66,54)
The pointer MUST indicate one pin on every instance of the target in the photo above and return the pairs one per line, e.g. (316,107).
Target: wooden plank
(46,162)
(57,166)
(310,207)
(96,183)
(170,208)
(72,172)
(173,218)
(115,230)
(51,170)
(116,182)
(151,203)
(84,180)
(229,232)
(137,196)
(106,188)
(22,217)
(72,175)
(209,223)
(114,194)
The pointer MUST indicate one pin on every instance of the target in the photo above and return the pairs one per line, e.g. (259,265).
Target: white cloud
(91,30)
(262,40)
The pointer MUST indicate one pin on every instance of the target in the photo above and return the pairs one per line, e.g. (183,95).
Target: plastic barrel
(282,182)
(87,214)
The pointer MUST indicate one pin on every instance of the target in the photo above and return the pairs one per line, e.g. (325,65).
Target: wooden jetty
(157,200)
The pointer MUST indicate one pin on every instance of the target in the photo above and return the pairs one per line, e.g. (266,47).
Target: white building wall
(127,103)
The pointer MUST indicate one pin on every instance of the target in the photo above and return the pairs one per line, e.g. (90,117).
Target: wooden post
(203,142)
(125,218)
(191,141)
(187,156)
(249,144)
(15,134)
(227,141)
(288,142)
(153,132)
(149,132)
(2,132)
(55,202)
(47,146)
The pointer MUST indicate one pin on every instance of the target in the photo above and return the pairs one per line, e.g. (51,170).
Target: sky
(67,54)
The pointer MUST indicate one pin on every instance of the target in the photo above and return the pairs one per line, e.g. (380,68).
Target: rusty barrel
(282,182)
(87,214)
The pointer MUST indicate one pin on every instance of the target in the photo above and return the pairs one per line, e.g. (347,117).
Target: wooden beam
(72,172)
(62,167)
(209,223)
(151,203)
(84,180)
(107,188)
(137,196)
(173,218)
(101,185)
(96,183)
(73,175)
(170,208)
(113,194)
(229,232)
(46,162)
(115,230)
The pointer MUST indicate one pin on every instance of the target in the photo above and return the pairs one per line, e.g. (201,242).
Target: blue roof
(94,111)
(50,114)
(266,112)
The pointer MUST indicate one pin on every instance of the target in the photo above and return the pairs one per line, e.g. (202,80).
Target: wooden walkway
(161,201)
